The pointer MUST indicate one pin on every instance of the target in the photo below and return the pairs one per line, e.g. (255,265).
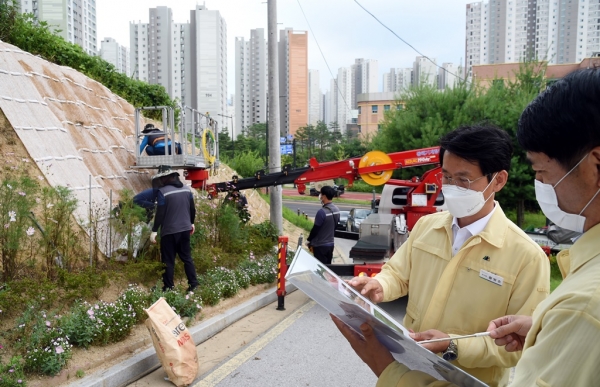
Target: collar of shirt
(460,235)
(584,249)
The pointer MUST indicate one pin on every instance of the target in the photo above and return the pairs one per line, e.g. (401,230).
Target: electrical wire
(405,42)
(323,55)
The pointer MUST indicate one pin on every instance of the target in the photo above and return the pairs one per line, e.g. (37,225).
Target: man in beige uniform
(463,267)
(560,130)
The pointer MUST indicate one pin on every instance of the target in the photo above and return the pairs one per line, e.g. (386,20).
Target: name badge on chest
(493,278)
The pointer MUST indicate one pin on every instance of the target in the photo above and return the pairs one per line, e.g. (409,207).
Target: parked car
(341,225)
(339,190)
(355,218)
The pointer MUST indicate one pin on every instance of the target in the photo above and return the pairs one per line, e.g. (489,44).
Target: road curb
(146,361)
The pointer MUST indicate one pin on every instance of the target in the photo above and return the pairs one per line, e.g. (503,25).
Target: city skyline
(366,39)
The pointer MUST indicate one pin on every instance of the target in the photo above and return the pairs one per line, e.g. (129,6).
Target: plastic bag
(173,343)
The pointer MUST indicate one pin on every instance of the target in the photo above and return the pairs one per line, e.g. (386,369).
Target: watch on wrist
(451,353)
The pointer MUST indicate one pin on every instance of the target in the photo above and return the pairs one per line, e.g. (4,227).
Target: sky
(342,29)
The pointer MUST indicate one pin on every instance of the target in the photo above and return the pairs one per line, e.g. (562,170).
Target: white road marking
(226,369)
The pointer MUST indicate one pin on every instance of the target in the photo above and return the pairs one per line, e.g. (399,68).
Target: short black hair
(328,192)
(487,145)
(563,122)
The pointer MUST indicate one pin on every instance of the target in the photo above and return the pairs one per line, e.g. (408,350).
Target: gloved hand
(193,230)
(153,238)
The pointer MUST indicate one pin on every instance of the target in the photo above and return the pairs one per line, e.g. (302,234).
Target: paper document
(340,299)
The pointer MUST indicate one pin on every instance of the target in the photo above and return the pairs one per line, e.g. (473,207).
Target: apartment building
(315,98)
(424,71)
(207,72)
(365,77)
(76,19)
(251,80)
(371,111)
(156,53)
(188,59)
(397,80)
(510,31)
(447,76)
(115,54)
(343,97)
(293,80)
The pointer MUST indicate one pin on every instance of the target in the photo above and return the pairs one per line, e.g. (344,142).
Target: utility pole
(274,122)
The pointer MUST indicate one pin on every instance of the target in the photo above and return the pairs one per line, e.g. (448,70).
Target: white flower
(13,216)
(9,186)
(59,349)
(30,231)
(40,177)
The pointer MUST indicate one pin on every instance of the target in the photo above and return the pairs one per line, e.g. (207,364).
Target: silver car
(355,218)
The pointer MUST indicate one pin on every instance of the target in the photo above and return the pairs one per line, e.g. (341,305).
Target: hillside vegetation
(37,37)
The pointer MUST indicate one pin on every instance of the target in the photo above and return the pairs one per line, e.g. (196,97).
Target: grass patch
(292,217)
(315,199)
(532,219)
(555,276)
(297,220)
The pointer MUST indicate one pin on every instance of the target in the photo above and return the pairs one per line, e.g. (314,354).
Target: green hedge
(37,38)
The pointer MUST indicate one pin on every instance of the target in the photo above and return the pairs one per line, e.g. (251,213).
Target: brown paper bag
(173,343)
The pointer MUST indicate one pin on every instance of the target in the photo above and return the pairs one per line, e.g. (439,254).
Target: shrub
(242,278)
(262,237)
(184,304)
(260,271)
(45,347)
(60,243)
(103,323)
(210,290)
(13,293)
(226,281)
(86,284)
(12,374)
(16,202)
(80,325)
(136,299)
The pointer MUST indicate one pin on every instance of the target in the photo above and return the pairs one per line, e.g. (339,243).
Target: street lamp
(232,139)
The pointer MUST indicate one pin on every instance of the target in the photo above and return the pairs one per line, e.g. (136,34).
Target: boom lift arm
(374,168)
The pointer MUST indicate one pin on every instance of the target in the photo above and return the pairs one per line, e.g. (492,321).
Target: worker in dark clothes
(175,215)
(321,237)
(154,142)
(147,200)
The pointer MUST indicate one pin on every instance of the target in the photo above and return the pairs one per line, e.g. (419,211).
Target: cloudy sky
(342,28)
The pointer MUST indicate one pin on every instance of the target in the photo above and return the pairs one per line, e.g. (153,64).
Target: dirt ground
(18,162)
(96,359)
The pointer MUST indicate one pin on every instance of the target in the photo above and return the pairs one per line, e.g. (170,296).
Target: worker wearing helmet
(154,142)
(175,215)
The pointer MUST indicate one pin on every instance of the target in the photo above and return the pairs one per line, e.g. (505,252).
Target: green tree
(37,38)
(429,113)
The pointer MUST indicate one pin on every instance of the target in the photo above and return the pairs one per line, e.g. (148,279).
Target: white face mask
(463,203)
(546,197)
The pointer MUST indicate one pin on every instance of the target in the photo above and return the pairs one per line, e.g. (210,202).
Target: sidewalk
(145,362)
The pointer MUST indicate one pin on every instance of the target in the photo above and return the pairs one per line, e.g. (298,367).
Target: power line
(323,55)
(405,42)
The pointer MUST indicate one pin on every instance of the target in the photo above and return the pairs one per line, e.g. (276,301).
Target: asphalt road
(311,208)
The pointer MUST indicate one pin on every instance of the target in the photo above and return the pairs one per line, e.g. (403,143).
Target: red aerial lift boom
(418,197)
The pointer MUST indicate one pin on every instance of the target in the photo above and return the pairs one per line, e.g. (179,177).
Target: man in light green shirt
(560,343)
